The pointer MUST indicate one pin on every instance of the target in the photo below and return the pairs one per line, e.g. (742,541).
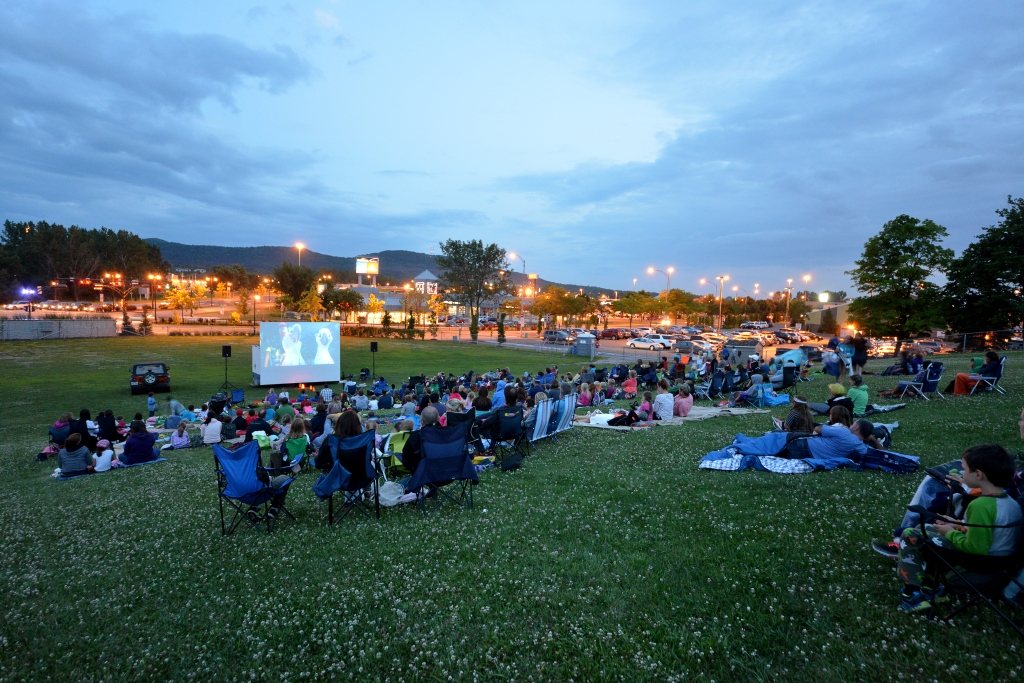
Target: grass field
(608,556)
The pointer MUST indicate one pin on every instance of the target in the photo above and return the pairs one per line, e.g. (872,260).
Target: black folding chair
(353,473)
(983,581)
(446,471)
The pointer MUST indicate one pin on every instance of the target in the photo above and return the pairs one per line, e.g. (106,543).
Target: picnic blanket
(600,420)
(759,453)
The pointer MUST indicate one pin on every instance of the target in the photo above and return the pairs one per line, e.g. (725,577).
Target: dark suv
(148,377)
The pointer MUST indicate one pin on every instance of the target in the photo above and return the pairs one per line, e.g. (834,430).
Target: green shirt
(859,396)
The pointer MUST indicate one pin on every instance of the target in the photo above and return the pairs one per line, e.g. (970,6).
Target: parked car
(665,340)
(692,347)
(754,325)
(146,377)
(645,343)
(558,337)
(15,305)
(614,333)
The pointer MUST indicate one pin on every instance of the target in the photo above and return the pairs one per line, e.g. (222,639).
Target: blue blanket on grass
(759,453)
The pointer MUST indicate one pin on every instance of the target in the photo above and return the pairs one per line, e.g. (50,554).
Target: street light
(300,246)
(634,283)
(651,270)
(788,295)
(255,303)
(721,285)
(513,255)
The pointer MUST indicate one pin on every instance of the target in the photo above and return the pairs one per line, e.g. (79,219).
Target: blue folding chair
(446,464)
(353,472)
(240,486)
(237,396)
(926,384)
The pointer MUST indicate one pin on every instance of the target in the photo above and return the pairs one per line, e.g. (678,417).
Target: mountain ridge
(396,265)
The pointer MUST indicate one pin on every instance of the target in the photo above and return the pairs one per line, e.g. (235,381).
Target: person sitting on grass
(295,445)
(212,430)
(104,459)
(663,403)
(138,448)
(74,457)
(60,430)
(683,402)
(837,397)
(179,439)
(799,420)
(988,468)
(259,424)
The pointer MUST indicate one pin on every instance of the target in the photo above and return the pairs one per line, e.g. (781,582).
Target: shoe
(253,516)
(889,549)
(914,603)
(936,596)
(273,512)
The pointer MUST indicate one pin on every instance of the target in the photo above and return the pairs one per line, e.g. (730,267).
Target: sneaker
(889,549)
(253,516)
(273,512)
(936,596)
(914,603)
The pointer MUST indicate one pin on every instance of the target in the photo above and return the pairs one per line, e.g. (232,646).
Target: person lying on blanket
(833,440)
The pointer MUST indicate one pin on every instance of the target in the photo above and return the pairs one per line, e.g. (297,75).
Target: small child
(179,439)
(644,411)
(104,458)
(989,469)
(151,404)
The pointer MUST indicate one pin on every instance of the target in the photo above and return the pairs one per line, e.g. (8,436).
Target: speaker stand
(227,387)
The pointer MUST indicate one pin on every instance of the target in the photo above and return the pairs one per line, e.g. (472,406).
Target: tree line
(902,268)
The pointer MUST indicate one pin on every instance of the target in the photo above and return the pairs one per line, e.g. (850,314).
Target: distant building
(425,283)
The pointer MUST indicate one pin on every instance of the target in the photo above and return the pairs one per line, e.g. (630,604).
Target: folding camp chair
(452,419)
(240,486)
(542,420)
(391,452)
(446,471)
(509,439)
(926,384)
(981,583)
(237,396)
(567,413)
(990,383)
(352,474)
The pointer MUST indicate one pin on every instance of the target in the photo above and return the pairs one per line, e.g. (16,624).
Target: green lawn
(608,556)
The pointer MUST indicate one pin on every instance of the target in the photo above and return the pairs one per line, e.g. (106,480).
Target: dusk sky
(763,140)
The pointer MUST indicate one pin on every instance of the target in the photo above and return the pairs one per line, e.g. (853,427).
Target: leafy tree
(374,305)
(385,323)
(237,275)
(636,303)
(181,298)
(501,328)
(294,281)
(311,303)
(472,271)
(680,303)
(894,270)
(345,301)
(242,303)
(984,285)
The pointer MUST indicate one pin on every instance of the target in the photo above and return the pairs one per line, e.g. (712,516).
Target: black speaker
(373,347)
(225,351)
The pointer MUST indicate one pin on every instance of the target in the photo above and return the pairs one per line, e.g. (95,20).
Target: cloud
(165,69)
